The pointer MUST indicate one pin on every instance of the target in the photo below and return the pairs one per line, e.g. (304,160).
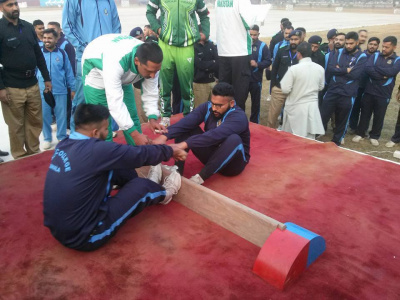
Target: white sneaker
(172,184)
(390,144)
(197,179)
(166,121)
(68,131)
(155,174)
(54,127)
(46,145)
(342,142)
(374,142)
(170,168)
(357,138)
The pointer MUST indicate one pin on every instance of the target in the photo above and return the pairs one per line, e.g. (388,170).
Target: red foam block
(282,258)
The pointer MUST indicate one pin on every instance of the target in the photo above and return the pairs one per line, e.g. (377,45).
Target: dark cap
(134,32)
(331,33)
(315,39)
(296,33)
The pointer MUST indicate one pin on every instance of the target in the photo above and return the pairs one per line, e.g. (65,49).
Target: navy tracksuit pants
(355,112)
(396,137)
(371,104)
(341,106)
(255,93)
(135,194)
(227,158)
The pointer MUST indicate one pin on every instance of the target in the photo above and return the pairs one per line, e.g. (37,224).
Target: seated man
(78,208)
(224,145)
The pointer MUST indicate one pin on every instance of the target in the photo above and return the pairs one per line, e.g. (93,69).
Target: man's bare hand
(140,139)
(4,96)
(179,154)
(157,127)
(72,95)
(162,139)
(48,86)
(253,63)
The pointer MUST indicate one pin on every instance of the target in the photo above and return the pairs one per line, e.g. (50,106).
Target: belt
(20,73)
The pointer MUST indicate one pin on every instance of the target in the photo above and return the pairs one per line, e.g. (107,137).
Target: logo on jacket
(389,62)
(255,48)
(57,59)
(105,11)
(189,60)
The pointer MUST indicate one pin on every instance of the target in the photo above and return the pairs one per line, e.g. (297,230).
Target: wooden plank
(229,214)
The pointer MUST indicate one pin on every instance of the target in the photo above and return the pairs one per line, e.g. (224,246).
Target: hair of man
(305,49)
(53,23)
(149,52)
(51,31)
(390,39)
(89,114)
(352,35)
(374,38)
(37,23)
(223,89)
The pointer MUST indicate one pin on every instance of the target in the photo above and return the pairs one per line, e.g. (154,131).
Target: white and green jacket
(108,64)
(178,21)
(234,19)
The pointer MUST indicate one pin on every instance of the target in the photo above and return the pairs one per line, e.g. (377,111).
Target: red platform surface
(169,252)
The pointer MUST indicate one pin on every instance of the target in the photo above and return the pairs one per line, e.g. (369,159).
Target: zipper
(98,16)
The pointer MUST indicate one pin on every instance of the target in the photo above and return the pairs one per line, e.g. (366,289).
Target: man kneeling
(224,145)
(78,208)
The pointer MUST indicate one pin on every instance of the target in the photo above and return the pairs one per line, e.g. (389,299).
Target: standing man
(205,69)
(39,28)
(279,35)
(178,32)
(260,60)
(234,18)
(63,78)
(382,69)
(317,55)
(287,29)
(65,45)
(372,47)
(328,47)
(82,22)
(20,55)
(111,64)
(301,115)
(362,37)
(285,58)
(345,67)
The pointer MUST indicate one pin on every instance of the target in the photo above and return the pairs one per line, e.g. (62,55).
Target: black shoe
(1,160)
(3,153)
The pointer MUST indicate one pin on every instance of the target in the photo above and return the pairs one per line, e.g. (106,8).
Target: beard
(12,15)
(293,46)
(338,46)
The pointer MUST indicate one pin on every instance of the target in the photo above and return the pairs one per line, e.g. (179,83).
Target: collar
(305,59)
(10,23)
(78,136)
(393,56)
(45,50)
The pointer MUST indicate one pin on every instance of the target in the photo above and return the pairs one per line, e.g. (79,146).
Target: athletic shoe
(170,168)
(1,160)
(197,179)
(390,144)
(155,174)
(54,127)
(172,184)
(166,121)
(342,142)
(374,142)
(3,153)
(357,138)
(46,145)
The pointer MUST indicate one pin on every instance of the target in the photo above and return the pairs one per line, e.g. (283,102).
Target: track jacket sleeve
(69,20)
(150,97)
(151,14)
(203,12)
(275,67)
(71,56)
(287,82)
(358,68)
(112,74)
(233,123)
(265,61)
(391,71)
(111,156)
(371,71)
(69,74)
(116,24)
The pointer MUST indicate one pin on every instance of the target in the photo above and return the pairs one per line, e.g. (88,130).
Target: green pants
(97,96)
(181,58)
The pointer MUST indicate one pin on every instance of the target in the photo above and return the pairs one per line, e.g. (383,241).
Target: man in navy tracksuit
(345,68)
(62,77)
(224,145)
(382,69)
(82,22)
(77,205)
(260,60)
(372,47)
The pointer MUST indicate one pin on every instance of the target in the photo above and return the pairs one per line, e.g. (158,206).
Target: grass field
(391,114)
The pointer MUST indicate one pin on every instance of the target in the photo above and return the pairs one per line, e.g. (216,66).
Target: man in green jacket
(178,31)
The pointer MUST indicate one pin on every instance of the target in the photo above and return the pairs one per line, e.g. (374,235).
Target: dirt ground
(391,114)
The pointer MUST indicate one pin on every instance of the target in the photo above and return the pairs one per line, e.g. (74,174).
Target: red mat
(169,252)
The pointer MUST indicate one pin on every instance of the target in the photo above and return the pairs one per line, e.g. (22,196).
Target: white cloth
(234,19)
(302,82)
